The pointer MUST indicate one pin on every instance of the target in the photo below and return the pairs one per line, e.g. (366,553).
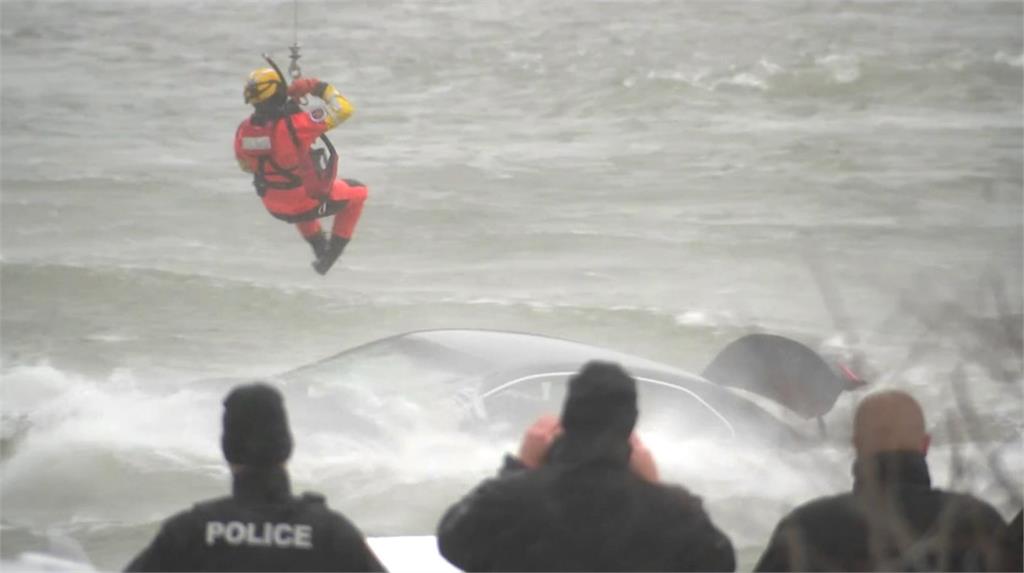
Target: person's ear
(927,441)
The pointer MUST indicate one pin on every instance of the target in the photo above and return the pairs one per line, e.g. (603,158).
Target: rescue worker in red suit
(297,183)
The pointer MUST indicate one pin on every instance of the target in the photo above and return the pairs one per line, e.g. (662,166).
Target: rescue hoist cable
(295,72)
(293,68)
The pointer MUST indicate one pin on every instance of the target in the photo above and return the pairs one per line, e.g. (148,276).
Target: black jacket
(893,520)
(261,527)
(583,510)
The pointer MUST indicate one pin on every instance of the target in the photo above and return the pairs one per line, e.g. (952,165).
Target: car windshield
(393,361)
(386,384)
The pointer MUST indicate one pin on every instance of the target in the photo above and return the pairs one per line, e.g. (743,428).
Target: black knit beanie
(255,427)
(601,401)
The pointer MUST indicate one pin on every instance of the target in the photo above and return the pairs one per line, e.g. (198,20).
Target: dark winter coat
(583,510)
(894,521)
(261,527)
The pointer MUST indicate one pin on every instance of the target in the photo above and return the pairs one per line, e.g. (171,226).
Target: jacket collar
(887,470)
(266,114)
(261,484)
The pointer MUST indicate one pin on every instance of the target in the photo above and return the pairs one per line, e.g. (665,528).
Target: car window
(510,407)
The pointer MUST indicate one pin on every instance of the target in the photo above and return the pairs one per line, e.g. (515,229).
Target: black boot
(319,244)
(324,263)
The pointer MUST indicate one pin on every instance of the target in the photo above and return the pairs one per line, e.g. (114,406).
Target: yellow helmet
(263,84)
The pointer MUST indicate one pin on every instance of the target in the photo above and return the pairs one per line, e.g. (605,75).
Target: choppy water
(652,176)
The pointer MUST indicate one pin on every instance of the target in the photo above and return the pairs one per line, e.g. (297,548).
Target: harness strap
(291,131)
(320,164)
(260,181)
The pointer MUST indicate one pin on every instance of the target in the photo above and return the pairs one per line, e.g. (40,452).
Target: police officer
(261,526)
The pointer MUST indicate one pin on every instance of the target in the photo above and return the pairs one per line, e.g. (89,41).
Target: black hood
(255,426)
(598,415)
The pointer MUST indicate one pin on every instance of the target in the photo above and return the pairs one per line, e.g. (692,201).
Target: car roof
(513,350)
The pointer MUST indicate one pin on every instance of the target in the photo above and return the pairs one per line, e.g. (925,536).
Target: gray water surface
(652,176)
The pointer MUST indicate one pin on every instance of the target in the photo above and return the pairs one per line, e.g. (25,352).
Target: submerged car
(760,387)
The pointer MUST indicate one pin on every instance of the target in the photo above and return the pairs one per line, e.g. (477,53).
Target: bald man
(893,520)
